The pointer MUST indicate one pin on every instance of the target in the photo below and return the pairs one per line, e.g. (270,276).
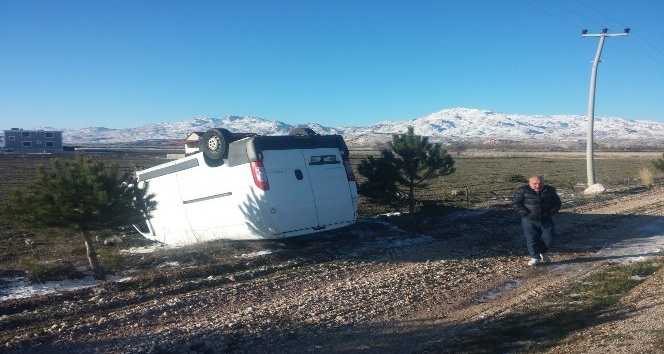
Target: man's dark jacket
(536,206)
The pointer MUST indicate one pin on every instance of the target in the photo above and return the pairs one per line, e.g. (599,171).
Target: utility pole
(591,98)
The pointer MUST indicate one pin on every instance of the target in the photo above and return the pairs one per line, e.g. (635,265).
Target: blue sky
(127,63)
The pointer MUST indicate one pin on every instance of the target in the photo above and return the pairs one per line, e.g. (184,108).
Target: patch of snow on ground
(403,241)
(499,291)
(256,254)
(393,241)
(394,213)
(638,247)
(19,288)
(463,214)
(145,249)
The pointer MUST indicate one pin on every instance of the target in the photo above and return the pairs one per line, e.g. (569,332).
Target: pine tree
(421,161)
(81,195)
(409,162)
(382,174)
(659,163)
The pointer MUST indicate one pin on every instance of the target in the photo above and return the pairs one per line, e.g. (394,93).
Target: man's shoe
(545,257)
(534,261)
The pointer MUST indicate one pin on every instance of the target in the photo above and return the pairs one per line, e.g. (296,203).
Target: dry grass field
(485,175)
(18,170)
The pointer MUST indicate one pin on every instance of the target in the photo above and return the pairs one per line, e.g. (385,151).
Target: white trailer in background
(245,186)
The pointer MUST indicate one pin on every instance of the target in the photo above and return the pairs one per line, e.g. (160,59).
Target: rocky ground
(386,285)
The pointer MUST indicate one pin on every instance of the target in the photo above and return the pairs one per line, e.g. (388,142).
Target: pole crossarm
(604,35)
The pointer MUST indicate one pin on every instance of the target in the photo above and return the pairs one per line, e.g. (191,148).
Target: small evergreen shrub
(46,271)
(109,259)
(659,163)
(516,178)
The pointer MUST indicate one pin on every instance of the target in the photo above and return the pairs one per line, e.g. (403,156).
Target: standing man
(537,203)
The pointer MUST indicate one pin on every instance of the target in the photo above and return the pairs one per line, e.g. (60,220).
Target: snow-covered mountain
(448,125)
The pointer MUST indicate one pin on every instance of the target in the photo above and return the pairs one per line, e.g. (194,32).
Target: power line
(543,10)
(636,34)
(601,13)
(659,67)
(575,13)
(655,63)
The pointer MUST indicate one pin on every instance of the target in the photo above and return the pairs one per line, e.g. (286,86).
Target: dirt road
(387,285)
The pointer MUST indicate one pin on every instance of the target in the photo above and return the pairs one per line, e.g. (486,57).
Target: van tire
(302,132)
(214,144)
(213,163)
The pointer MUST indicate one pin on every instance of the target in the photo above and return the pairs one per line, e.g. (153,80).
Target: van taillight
(349,169)
(260,177)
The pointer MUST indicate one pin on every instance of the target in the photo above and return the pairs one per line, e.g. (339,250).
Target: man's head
(536,183)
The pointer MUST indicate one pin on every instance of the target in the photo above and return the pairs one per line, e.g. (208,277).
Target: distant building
(192,142)
(33,141)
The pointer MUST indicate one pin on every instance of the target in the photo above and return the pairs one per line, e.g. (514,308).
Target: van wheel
(302,132)
(215,143)
(212,163)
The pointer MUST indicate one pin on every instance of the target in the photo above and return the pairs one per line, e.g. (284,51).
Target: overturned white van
(246,186)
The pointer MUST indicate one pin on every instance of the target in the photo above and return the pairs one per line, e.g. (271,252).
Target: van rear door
(330,186)
(309,189)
